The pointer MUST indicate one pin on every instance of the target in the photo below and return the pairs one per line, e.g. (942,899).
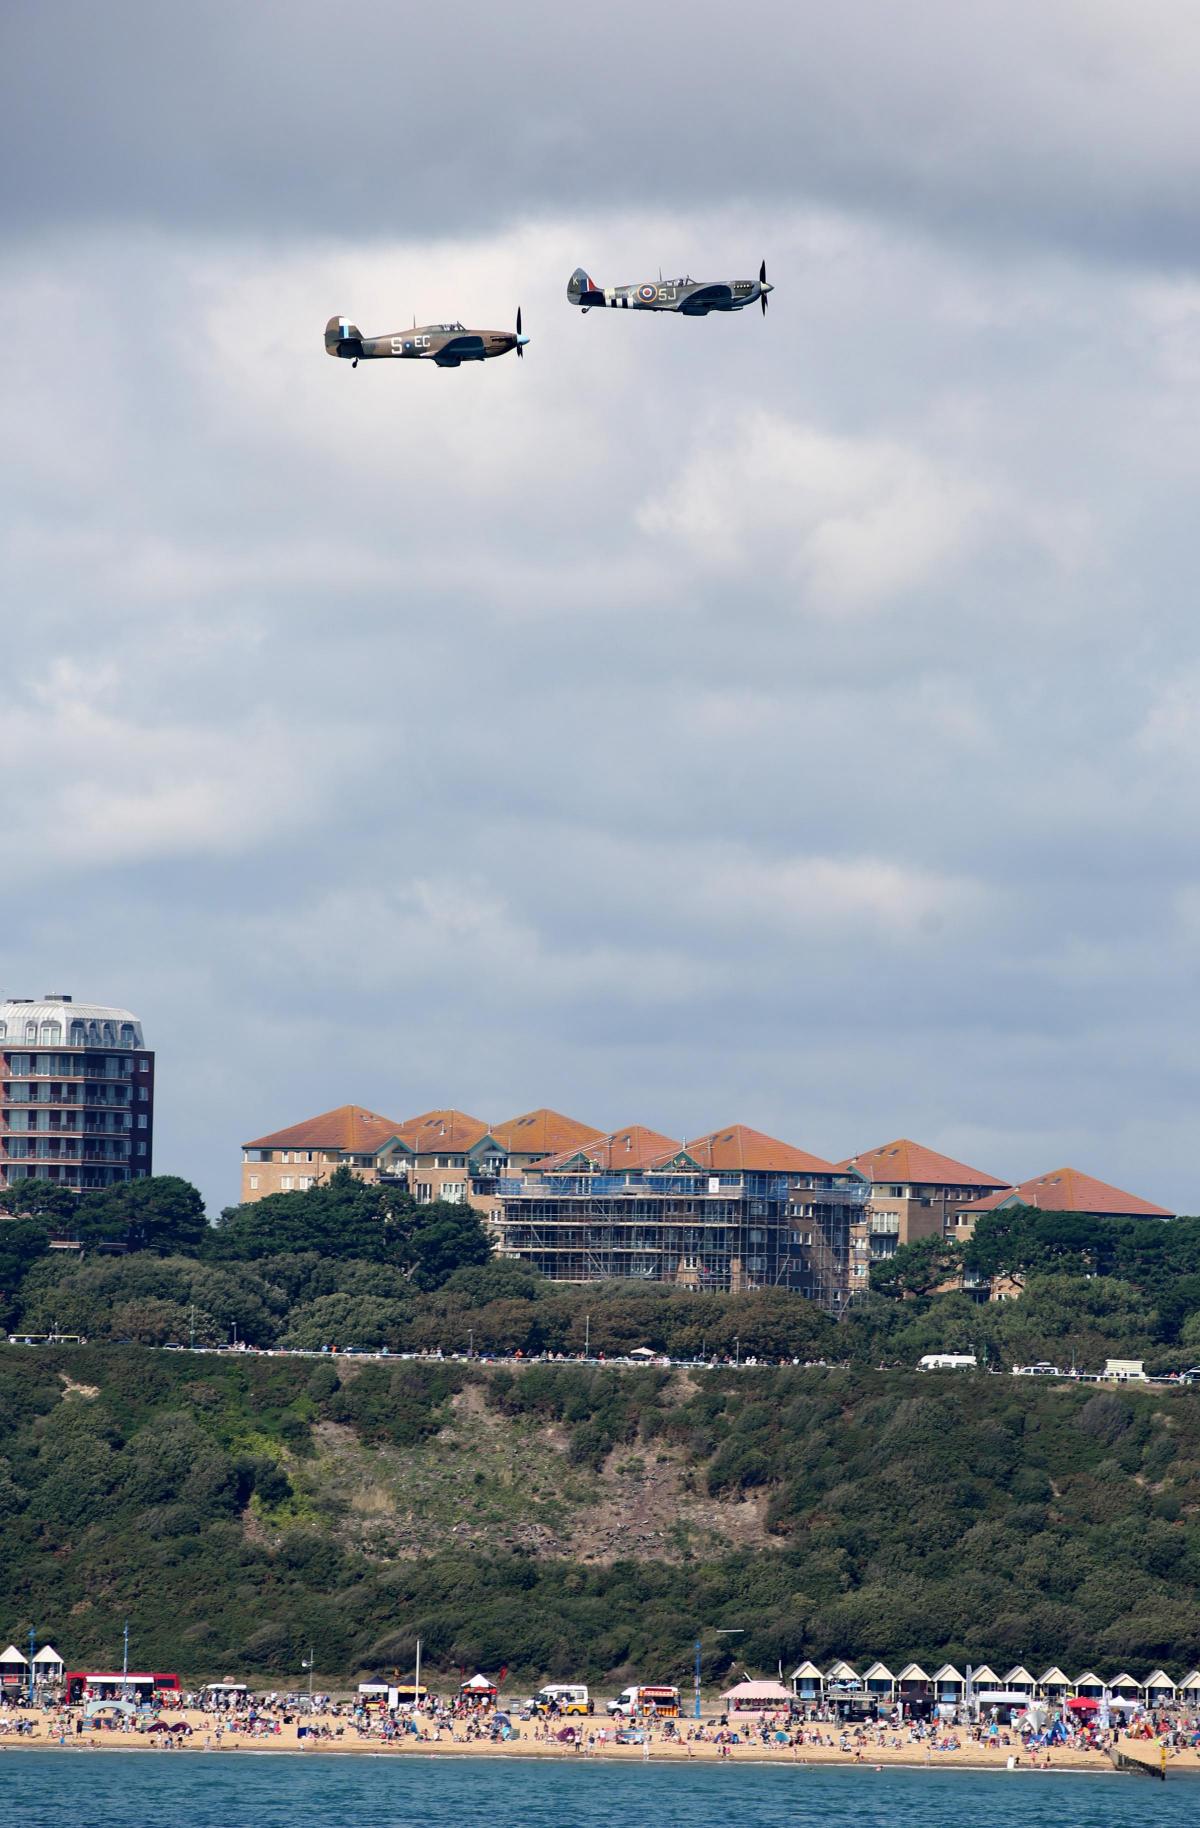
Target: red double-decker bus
(137,1686)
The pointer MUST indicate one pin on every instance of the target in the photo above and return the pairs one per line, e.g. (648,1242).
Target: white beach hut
(1159,1689)
(14,1668)
(1020,1682)
(842,1675)
(879,1682)
(912,1684)
(1053,1685)
(949,1685)
(48,1666)
(808,1683)
(1088,1686)
(1189,1688)
(1124,1688)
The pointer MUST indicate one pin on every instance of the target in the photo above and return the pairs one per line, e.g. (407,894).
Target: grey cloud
(1065,121)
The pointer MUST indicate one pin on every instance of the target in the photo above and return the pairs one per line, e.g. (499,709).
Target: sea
(310,1790)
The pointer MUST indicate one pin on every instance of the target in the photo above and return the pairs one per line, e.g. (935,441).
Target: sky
(787,721)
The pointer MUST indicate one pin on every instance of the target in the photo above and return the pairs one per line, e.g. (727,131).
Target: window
(423,1192)
(286,1156)
(286,1183)
(254,1183)
(31,1031)
(141,1120)
(143,1092)
(452,1191)
(143,1066)
(306,1181)
(141,1148)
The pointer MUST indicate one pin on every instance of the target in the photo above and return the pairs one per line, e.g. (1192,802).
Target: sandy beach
(50,1734)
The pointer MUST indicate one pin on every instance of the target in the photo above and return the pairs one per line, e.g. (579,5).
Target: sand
(204,1738)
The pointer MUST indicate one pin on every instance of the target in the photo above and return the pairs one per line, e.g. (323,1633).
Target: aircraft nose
(521,341)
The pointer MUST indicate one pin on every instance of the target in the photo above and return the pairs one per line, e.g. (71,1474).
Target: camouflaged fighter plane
(449,345)
(689,297)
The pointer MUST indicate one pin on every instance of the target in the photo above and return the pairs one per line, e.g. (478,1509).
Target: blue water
(306,1790)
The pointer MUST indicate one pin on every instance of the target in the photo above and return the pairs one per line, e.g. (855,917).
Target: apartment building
(915,1193)
(76,1094)
(731,1210)
(296,1158)
(437,1155)
(1062,1190)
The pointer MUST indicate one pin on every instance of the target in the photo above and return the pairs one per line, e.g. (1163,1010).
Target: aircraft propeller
(520,338)
(762,280)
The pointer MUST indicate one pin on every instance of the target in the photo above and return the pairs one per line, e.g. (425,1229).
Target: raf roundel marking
(649,293)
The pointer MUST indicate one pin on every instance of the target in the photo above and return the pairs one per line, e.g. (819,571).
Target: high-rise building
(76,1094)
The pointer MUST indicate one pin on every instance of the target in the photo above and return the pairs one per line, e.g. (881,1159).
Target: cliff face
(564,1519)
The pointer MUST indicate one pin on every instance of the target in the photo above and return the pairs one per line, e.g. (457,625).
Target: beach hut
(1053,1685)
(1019,1680)
(913,1686)
(879,1683)
(1189,1688)
(756,1697)
(48,1666)
(14,1668)
(1124,1688)
(1088,1686)
(841,1675)
(808,1684)
(1159,1689)
(949,1685)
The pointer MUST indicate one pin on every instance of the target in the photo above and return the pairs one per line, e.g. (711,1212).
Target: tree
(918,1268)
(159,1212)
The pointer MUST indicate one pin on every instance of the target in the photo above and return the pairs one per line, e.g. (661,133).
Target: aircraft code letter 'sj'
(688,297)
(448,345)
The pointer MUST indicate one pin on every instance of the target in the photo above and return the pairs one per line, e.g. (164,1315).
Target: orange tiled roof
(913,1164)
(635,1147)
(350,1129)
(1067,1190)
(736,1147)
(448,1130)
(543,1132)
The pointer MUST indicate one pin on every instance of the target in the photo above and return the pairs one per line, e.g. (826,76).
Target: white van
(567,1697)
(948,1361)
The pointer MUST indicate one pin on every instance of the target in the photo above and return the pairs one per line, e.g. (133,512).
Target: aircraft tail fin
(342,338)
(583,290)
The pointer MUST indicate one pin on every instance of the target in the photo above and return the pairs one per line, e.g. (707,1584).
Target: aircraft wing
(460,349)
(707,298)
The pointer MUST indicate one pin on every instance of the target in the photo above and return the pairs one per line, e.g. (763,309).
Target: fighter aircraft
(689,297)
(449,345)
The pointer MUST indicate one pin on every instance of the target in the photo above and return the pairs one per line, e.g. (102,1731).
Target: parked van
(948,1361)
(567,1697)
(659,1700)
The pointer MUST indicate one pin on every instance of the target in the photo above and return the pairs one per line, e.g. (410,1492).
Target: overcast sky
(787,722)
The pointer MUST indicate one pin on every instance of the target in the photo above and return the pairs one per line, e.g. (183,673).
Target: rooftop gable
(543,1132)
(735,1147)
(443,1131)
(635,1147)
(350,1129)
(1067,1190)
(913,1163)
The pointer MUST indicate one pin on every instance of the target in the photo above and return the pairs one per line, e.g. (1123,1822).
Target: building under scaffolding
(732,1211)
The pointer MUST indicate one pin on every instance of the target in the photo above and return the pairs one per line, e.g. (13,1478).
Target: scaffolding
(724,1232)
